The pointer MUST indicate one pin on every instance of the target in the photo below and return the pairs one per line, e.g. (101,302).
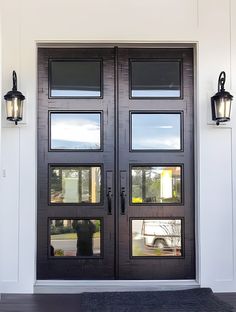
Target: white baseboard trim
(76,287)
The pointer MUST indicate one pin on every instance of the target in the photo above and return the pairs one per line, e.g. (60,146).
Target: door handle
(109,201)
(109,188)
(123,186)
(123,195)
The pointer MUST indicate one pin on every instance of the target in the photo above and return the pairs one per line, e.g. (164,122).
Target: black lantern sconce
(14,102)
(221,102)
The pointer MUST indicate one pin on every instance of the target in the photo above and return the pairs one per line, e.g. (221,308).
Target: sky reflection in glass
(156,131)
(75,131)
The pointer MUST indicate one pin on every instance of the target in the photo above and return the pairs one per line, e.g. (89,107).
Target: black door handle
(109,188)
(123,195)
(109,199)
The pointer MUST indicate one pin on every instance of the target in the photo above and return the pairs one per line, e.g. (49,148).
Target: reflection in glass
(71,238)
(156,131)
(75,130)
(156,238)
(155,78)
(75,78)
(75,184)
(156,185)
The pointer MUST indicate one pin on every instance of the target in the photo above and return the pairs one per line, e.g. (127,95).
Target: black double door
(115,164)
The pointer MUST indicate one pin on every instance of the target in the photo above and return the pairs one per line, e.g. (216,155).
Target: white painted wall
(210,24)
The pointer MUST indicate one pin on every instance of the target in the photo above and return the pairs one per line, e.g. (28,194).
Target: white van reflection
(156,237)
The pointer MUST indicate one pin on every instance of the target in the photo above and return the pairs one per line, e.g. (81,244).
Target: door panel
(161,171)
(115,164)
(74,156)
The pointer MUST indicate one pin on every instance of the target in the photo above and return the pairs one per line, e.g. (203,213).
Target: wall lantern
(14,102)
(221,102)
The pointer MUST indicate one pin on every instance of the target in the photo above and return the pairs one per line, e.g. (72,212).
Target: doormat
(193,300)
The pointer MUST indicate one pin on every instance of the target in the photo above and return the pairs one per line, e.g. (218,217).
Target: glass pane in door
(156,238)
(156,184)
(75,78)
(75,238)
(75,185)
(75,131)
(155,78)
(156,131)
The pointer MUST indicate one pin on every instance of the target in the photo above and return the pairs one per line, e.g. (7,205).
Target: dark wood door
(76,164)
(115,164)
(156,168)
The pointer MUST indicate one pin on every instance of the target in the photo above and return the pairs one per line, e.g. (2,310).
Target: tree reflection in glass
(156,185)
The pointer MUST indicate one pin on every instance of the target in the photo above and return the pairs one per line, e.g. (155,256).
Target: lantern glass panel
(14,108)
(223,108)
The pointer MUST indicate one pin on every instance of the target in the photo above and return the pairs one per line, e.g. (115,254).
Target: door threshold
(76,287)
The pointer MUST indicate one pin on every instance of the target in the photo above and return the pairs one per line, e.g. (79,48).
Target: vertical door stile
(116,161)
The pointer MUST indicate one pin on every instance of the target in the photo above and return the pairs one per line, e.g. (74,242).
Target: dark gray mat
(199,300)
(194,300)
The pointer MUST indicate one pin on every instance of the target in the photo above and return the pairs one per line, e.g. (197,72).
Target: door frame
(69,286)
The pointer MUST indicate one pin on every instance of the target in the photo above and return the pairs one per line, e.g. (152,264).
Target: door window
(156,184)
(156,131)
(75,78)
(157,238)
(155,78)
(75,131)
(75,238)
(75,185)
